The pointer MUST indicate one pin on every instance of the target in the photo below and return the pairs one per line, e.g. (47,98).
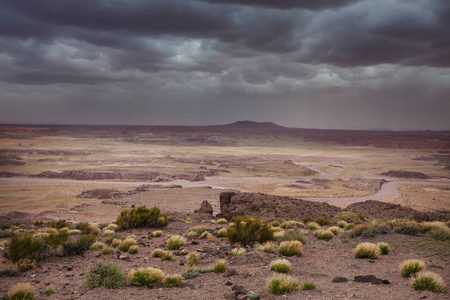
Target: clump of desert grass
(313,225)
(133,249)
(336,230)
(309,286)
(291,248)
(175,242)
(127,243)
(206,235)
(105,274)
(428,281)
(323,234)
(162,254)
(156,233)
(367,250)
(280,265)
(97,246)
(196,230)
(193,259)
(220,267)
(238,251)
(384,247)
(222,221)
(107,250)
(148,277)
(173,280)
(222,232)
(411,266)
(268,247)
(25,264)
(21,291)
(291,224)
(437,230)
(281,284)
(342,224)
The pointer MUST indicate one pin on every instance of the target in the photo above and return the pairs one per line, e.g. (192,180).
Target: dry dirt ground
(315,164)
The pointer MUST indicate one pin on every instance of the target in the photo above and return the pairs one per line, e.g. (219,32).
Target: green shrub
(25,246)
(411,267)
(191,273)
(141,217)
(307,219)
(292,236)
(280,265)
(248,231)
(105,274)
(367,250)
(173,280)
(220,267)
(175,242)
(342,224)
(323,234)
(368,230)
(193,259)
(407,227)
(133,249)
(9,272)
(148,277)
(25,264)
(384,247)
(439,234)
(347,216)
(322,221)
(5,233)
(166,256)
(87,228)
(97,246)
(281,284)
(56,239)
(291,248)
(21,291)
(309,286)
(79,245)
(428,281)
(58,224)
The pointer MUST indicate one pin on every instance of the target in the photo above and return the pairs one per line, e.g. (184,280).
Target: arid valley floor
(91,174)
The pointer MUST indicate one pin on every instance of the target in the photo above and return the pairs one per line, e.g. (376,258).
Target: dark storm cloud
(164,54)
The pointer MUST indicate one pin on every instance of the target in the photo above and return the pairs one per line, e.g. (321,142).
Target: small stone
(146,258)
(339,279)
(185,251)
(194,242)
(124,256)
(33,275)
(228,282)
(239,289)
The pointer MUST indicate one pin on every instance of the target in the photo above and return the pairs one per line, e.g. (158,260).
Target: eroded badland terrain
(90,174)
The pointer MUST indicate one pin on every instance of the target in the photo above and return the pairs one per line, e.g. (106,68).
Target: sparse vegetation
(323,234)
(238,251)
(367,250)
(313,225)
(148,277)
(49,292)
(322,221)
(280,265)
(281,284)
(384,247)
(407,227)
(175,242)
(127,243)
(156,233)
(248,231)
(141,217)
(336,230)
(411,267)
(107,250)
(291,248)
(133,249)
(309,286)
(222,221)
(428,281)
(25,264)
(193,259)
(268,247)
(97,246)
(105,274)
(348,217)
(292,236)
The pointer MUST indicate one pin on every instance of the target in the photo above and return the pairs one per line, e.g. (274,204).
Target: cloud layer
(327,64)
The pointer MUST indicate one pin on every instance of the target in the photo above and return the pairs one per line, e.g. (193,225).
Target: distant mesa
(252,124)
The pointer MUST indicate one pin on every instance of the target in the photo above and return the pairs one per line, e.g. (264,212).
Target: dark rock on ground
(370,279)
(205,208)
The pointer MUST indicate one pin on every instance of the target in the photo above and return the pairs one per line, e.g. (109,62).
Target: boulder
(205,208)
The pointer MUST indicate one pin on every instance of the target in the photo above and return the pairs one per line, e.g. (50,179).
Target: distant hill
(252,124)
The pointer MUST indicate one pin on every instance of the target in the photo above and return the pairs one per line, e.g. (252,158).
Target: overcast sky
(359,64)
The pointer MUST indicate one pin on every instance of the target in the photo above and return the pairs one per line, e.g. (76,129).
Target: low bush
(440,234)
(268,247)
(367,250)
(175,242)
(280,265)
(322,221)
(157,252)
(323,234)
(49,292)
(79,245)
(21,291)
(148,277)
(407,227)
(248,231)
(342,224)
(309,286)
(205,235)
(369,230)
(25,264)
(349,217)
(291,248)
(141,217)
(25,246)
(9,272)
(220,267)
(289,224)
(166,256)
(281,284)
(88,228)
(222,232)
(156,233)
(196,230)
(173,280)
(411,267)
(191,273)
(58,224)
(127,243)
(97,246)
(133,249)
(307,219)
(193,259)
(336,230)
(313,225)
(238,251)
(384,247)
(428,281)
(222,221)
(5,233)
(106,274)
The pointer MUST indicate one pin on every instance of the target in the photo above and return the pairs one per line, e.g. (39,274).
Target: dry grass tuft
(291,248)
(175,242)
(268,247)
(411,266)
(281,284)
(428,281)
(21,291)
(280,265)
(367,250)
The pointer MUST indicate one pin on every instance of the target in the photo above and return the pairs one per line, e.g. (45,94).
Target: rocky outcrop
(272,207)
(406,174)
(205,208)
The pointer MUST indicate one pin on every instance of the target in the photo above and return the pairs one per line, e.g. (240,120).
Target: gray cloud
(200,62)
